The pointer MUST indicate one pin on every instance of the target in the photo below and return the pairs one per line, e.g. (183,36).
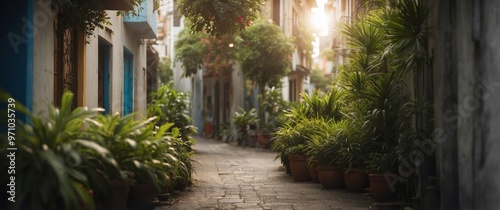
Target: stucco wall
(43,68)
(118,35)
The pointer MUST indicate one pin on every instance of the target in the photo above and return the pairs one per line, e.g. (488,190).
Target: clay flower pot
(118,193)
(264,140)
(298,166)
(313,170)
(380,189)
(142,193)
(331,177)
(356,180)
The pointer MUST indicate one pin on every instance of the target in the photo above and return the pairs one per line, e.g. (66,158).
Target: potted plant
(53,150)
(291,140)
(242,120)
(273,106)
(353,148)
(133,145)
(324,148)
(169,105)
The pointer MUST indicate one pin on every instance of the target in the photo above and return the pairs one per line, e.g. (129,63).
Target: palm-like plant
(144,156)
(242,119)
(324,144)
(53,159)
(386,43)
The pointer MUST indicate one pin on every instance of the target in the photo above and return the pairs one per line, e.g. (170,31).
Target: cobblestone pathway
(230,177)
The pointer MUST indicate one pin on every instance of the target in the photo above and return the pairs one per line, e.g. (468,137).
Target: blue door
(128,83)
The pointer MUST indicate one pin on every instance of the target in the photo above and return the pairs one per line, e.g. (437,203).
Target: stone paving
(231,177)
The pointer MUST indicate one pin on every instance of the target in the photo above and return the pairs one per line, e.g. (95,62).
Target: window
(65,63)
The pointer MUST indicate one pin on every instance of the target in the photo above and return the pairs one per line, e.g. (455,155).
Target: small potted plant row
(87,160)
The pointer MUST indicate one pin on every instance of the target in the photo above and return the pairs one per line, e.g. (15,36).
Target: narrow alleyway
(231,177)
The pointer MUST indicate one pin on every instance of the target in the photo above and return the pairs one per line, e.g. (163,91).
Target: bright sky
(319,19)
(320,22)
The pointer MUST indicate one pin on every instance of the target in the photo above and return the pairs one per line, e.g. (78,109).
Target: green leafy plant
(83,15)
(242,119)
(325,144)
(264,55)
(172,106)
(87,15)
(52,155)
(165,70)
(143,156)
(273,105)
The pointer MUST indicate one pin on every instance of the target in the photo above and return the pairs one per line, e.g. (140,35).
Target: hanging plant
(84,15)
(87,15)
(219,16)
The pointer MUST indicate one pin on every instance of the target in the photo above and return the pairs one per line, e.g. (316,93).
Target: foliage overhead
(189,51)
(87,15)
(219,17)
(265,53)
(83,15)
(265,56)
(201,50)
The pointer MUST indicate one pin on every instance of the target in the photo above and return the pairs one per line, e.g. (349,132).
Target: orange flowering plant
(215,55)
(219,17)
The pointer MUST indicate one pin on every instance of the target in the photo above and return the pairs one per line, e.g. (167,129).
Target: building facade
(105,69)
(293,18)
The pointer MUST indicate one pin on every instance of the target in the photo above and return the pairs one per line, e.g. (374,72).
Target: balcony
(145,23)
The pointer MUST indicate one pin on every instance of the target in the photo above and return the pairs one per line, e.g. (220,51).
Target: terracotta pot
(142,193)
(118,193)
(356,180)
(380,189)
(298,166)
(264,140)
(286,163)
(252,140)
(313,170)
(288,169)
(331,177)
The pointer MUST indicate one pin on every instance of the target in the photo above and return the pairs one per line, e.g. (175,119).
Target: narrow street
(231,177)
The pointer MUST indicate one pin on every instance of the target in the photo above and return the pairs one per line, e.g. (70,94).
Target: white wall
(180,83)
(43,67)
(118,35)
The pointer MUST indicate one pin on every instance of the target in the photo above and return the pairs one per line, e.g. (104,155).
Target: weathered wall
(466,46)
(43,68)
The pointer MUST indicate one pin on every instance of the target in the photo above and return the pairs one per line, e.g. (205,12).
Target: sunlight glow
(319,19)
